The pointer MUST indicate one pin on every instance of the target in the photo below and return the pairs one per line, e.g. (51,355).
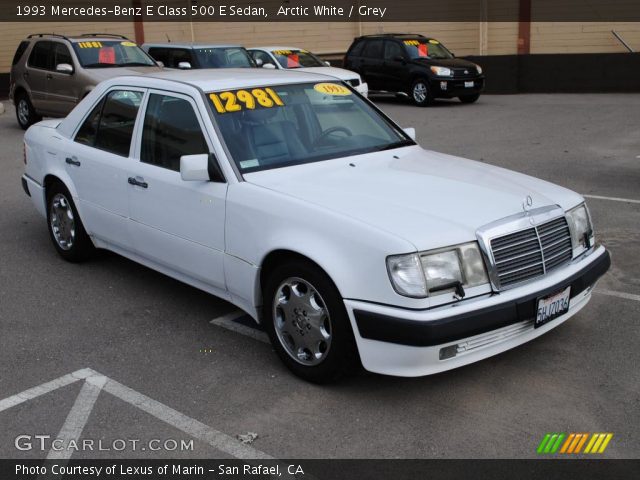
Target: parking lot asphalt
(172,375)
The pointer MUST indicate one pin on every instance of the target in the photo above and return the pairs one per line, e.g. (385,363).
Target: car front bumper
(409,343)
(448,87)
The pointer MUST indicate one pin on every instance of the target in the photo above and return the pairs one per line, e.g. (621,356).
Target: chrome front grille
(531,252)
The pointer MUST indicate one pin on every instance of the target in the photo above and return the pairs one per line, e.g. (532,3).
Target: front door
(61,94)
(175,223)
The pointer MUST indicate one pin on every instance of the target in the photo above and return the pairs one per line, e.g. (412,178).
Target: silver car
(51,73)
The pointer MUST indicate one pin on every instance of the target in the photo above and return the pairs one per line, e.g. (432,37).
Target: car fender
(260,221)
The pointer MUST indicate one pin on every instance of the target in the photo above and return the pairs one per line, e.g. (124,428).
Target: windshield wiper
(95,65)
(134,64)
(398,144)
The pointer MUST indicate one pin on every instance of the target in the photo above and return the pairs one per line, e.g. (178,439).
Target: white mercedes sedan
(301,203)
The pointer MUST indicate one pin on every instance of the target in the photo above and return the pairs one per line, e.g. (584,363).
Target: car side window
(41,55)
(61,55)
(356,50)
(117,120)
(89,130)
(171,129)
(260,55)
(373,49)
(160,55)
(392,50)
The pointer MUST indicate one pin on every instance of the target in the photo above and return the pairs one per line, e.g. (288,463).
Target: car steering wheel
(331,130)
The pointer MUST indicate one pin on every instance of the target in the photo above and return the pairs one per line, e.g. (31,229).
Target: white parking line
(613,293)
(613,199)
(227,321)
(85,402)
(78,416)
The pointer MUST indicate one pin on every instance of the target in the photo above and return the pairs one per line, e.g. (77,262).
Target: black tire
(81,247)
(25,113)
(469,98)
(420,92)
(341,356)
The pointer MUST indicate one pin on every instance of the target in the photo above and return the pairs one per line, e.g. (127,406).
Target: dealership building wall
(511,51)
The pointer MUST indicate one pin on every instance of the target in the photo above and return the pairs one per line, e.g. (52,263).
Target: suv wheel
(25,113)
(421,93)
(306,320)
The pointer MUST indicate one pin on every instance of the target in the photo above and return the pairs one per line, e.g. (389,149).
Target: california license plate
(552,306)
(468,84)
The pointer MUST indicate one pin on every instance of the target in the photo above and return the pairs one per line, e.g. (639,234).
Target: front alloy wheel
(302,322)
(307,323)
(420,93)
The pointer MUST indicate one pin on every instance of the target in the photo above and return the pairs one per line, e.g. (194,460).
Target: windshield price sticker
(284,53)
(90,44)
(127,44)
(434,42)
(226,102)
(412,43)
(331,89)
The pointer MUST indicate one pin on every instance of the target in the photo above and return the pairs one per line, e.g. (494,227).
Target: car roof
(276,48)
(213,79)
(192,45)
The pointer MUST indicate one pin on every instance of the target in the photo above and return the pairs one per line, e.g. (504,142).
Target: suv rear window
(20,51)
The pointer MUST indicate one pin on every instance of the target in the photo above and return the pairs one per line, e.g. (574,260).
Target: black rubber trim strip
(384,328)
(25,186)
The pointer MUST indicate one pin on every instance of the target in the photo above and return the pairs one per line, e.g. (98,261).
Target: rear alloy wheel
(65,227)
(307,323)
(420,93)
(25,113)
(469,98)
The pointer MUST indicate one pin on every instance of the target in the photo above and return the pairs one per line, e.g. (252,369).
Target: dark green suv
(415,65)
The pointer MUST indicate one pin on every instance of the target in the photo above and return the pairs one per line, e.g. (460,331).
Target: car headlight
(479,68)
(441,71)
(436,272)
(582,237)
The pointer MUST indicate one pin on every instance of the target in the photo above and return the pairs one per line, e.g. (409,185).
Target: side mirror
(160,63)
(259,62)
(184,65)
(399,58)
(269,66)
(64,68)
(411,132)
(327,63)
(202,167)
(195,168)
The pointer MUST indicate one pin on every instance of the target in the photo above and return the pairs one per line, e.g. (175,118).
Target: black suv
(414,65)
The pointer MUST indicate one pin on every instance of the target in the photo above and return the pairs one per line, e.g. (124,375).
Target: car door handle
(138,183)
(72,161)
(49,76)
(25,74)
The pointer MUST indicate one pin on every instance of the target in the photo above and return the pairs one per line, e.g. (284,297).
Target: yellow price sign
(412,42)
(90,44)
(246,99)
(127,44)
(284,53)
(332,89)
(434,42)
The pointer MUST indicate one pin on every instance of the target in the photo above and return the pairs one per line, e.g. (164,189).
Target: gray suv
(51,73)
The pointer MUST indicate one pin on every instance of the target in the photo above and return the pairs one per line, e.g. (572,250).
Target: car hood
(101,74)
(427,198)
(340,73)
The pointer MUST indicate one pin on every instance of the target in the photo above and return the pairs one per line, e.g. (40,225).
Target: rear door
(36,71)
(372,64)
(98,161)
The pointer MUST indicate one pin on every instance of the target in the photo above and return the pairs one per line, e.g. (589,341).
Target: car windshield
(229,57)
(297,59)
(111,53)
(423,48)
(285,125)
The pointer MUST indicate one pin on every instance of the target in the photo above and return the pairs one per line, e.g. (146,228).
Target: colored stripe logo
(573,443)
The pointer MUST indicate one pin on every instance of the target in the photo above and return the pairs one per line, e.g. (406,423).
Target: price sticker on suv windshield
(249,99)
(332,89)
